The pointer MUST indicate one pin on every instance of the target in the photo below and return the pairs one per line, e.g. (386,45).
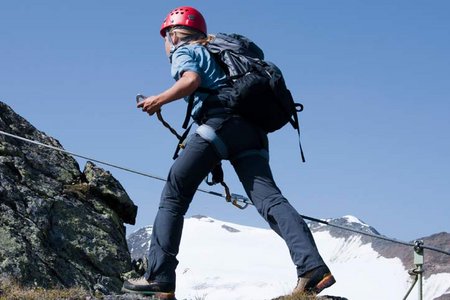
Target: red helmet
(184,16)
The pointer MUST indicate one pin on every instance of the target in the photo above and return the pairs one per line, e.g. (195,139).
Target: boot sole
(156,295)
(327,281)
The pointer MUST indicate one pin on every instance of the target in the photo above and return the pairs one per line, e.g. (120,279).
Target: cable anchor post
(417,272)
(419,261)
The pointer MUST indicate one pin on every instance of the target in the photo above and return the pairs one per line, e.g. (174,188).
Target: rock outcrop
(59,227)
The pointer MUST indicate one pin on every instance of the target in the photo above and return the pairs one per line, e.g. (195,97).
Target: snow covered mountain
(221,260)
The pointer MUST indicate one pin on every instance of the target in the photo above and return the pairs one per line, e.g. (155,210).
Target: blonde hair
(192,36)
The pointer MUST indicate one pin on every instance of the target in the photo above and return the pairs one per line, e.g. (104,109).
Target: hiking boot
(314,281)
(161,290)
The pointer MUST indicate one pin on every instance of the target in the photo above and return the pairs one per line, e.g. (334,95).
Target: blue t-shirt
(196,58)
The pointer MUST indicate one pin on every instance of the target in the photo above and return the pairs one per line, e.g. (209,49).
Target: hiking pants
(193,165)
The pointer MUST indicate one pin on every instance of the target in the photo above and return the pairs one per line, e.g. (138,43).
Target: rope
(101,162)
(374,235)
(140,97)
(357,231)
(235,198)
(167,125)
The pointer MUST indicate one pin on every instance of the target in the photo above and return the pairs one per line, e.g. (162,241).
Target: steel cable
(236,198)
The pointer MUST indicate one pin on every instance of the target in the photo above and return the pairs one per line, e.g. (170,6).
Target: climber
(229,137)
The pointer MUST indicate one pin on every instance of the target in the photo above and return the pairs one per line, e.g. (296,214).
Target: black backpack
(256,89)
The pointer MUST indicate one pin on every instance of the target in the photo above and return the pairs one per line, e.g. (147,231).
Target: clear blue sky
(374,77)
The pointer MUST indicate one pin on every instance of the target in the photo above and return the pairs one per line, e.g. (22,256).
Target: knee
(173,201)
(267,207)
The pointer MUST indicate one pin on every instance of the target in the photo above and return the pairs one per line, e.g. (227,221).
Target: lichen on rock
(59,227)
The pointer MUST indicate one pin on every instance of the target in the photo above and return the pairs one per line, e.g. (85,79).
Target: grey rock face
(59,227)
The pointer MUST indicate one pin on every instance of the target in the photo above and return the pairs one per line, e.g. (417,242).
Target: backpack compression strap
(296,125)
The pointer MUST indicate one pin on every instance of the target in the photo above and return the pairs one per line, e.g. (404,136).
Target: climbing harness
(208,134)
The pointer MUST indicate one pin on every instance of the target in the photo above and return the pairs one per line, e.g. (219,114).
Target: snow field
(220,260)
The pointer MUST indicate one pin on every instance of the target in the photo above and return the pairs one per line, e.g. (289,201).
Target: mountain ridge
(343,253)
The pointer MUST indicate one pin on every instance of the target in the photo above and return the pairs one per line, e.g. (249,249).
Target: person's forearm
(184,87)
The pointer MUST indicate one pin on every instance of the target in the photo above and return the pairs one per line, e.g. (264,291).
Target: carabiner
(236,198)
(235,203)
(139,97)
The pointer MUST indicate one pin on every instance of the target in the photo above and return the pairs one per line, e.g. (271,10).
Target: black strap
(296,125)
(216,175)
(189,111)
(190,105)
(180,143)
(207,91)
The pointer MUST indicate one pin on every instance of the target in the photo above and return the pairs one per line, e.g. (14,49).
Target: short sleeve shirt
(196,58)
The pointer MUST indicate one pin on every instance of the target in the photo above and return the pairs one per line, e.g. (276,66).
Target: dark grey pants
(193,165)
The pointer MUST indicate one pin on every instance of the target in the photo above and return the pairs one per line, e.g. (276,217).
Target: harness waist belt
(209,134)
